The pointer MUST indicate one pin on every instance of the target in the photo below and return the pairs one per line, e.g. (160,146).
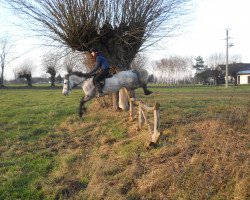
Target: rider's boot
(146,91)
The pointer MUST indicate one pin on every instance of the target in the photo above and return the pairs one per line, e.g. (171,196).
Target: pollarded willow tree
(25,71)
(50,63)
(118,28)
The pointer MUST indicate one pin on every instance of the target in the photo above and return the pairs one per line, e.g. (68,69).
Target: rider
(103,72)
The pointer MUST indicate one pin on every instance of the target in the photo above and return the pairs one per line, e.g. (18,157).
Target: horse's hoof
(151,145)
(148,92)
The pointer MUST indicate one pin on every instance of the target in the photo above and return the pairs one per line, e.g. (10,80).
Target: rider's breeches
(100,76)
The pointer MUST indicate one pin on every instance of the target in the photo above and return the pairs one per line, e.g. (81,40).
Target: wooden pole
(131,109)
(156,117)
(115,97)
(156,134)
(147,122)
(140,119)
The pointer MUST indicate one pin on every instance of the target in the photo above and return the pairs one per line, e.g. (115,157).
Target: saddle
(102,82)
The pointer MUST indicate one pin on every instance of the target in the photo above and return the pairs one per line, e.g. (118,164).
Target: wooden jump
(142,118)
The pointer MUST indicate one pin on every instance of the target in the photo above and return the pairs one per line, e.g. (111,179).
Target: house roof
(236,67)
(243,72)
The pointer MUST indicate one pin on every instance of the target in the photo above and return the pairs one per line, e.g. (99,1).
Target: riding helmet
(93,49)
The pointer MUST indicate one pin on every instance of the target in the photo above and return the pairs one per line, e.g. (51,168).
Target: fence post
(140,117)
(147,122)
(156,134)
(131,108)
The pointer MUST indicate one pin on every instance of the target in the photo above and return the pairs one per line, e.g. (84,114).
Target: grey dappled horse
(131,80)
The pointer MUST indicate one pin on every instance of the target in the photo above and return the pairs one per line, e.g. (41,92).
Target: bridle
(75,85)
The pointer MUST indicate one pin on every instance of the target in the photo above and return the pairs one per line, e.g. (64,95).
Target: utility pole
(228,45)
(226,58)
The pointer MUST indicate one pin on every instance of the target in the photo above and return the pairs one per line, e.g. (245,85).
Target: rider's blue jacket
(101,63)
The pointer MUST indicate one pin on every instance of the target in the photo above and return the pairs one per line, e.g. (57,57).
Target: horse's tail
(142,76)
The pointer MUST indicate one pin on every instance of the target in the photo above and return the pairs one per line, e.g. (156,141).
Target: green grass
(187,103)
(27,117)
(44,145)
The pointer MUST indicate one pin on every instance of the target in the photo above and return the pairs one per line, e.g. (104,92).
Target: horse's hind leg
(145,89)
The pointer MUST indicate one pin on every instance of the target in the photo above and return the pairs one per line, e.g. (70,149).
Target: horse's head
(67,86)
(73,80)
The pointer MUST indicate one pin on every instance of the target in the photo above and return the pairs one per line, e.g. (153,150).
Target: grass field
(47,152)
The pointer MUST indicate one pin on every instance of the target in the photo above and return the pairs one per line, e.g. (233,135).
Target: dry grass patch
(204,159)
(209,161)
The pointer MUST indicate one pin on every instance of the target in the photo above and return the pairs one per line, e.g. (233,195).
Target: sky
(206,32)
(203,35)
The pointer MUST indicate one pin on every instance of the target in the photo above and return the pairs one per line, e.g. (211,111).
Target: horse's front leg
(145,89)
(131,93)
(82,108)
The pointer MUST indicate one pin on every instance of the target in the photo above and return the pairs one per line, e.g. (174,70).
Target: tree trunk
(1,80)
(52,80)
(29,81)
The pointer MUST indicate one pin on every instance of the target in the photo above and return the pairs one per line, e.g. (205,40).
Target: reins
(76,84)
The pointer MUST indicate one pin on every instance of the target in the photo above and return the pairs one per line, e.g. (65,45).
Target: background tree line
(172,70)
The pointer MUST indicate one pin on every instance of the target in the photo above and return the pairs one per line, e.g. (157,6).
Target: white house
(243,77)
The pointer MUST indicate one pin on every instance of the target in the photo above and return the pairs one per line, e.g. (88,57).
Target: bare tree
(15,73)
(76,61)
(139,62)
(118,28)
(50,63)
(25,71)
(215,59)
(173,69)
(235,58)
(213,63)
(160,68)
(5,49)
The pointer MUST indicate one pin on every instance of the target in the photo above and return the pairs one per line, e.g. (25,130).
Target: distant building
(243,77)
(233,70)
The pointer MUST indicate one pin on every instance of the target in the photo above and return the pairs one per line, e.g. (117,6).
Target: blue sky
(204,35)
